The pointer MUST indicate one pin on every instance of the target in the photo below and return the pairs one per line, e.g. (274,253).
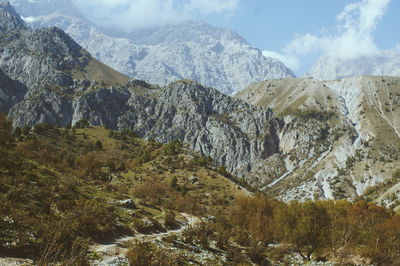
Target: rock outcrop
(9,19)
(230,131)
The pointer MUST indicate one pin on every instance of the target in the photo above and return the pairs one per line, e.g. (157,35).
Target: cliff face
(230,131)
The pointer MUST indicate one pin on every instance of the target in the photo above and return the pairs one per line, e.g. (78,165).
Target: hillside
(88,185)
(357,120)
(90,195)
(98,169)
(284,95)
(62,84)
(316,147)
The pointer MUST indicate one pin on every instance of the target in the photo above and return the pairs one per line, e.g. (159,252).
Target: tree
(170,219)
(98,145)
(174,182)
(255,215)
(384,246)
(222,171)
(5,131)
(90,165)
(26,130)
(304,226)
(17,132)
(173,148)
(83,123)
(396,175)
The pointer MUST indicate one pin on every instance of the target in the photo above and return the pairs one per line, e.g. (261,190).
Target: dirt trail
(114,252)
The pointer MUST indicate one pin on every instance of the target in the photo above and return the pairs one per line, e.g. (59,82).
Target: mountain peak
(216,57)
(9,19)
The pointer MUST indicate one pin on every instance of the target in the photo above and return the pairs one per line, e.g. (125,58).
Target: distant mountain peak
(216,57)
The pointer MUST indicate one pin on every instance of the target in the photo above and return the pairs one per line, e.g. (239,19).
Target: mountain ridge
(309,150)
(209,121)
(231,62)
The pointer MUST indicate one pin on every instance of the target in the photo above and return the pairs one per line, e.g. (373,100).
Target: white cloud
(290,61)
(212,6)
(140,14)
(352,37)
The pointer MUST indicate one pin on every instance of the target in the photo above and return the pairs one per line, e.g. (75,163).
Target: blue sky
(295,31)
(272,25)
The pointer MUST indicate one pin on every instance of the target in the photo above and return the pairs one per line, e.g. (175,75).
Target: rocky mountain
(339,139)
(327,143)
(44,63)
(194,50)
(65,85)
(386,63)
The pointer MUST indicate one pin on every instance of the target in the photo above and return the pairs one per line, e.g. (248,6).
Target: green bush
(396,174)
(173,148)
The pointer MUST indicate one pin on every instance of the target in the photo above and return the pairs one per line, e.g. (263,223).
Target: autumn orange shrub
(384,244)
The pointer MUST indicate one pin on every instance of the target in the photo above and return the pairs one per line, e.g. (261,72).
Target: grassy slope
(289,94)
(40,191)
(97,71)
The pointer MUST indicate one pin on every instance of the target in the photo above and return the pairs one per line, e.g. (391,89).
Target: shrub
(42,128)
(98,145)
(222,171)
(173,148)
(396,174)
(5,131)
(83,123)
(169,219)
(174,182)
(149,254)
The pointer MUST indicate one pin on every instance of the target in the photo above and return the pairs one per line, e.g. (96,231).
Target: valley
(97,168)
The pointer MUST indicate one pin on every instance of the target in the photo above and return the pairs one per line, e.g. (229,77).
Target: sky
(297,32)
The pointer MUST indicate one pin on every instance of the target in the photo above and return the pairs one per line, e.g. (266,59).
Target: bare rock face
(41,58)
(10,21)
(230,131)
(11,92)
